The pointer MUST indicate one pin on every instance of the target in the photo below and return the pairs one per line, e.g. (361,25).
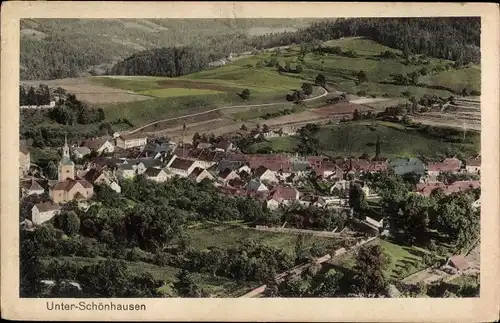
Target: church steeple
(65,152)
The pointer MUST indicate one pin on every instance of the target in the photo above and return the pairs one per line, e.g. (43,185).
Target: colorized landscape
(250,157)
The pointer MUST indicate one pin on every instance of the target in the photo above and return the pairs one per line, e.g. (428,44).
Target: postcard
(250,161)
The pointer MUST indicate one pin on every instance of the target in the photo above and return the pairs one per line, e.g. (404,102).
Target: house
(426,189)
(199,174)
(217,63)
(99,145)
(156,151)
(24,160)
(71,189)
(473,166)
(67,187)
(126,171)
(157,175)
(182,167)
(126,141)
(43,212)
(458,262)
(96,177)
(461,186)
(256,185)
(262,173)
(80,152)
(339,187)
(227,175)
(224,146)
(448,165)
(402,166)
(237,183)
(312,200)
(282,195)
(30,187)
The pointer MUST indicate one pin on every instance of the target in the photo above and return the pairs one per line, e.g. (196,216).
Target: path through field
(224,108)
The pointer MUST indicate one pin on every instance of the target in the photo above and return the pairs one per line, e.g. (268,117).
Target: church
(68,187)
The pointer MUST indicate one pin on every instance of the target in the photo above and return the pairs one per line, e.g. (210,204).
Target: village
(276,180)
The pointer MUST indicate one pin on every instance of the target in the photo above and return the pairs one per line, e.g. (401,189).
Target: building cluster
(275,179)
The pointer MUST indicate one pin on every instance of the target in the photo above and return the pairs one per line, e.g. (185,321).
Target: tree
(298,68)
(51,171)
(370,265)
(362,77)
(244,128)
(245,94)
(307,88)
(356,115)
(356,197)
(265,128)
(414,77)
(196,138)
(68,222)
(185,285)
(320,80)
(330,285)
(30,269)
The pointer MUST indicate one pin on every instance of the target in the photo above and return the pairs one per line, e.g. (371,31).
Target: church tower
(66,165)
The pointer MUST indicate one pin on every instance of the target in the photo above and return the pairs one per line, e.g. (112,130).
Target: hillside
(52,49)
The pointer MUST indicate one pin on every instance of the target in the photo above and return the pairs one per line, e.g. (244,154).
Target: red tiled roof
(461,186)
(68,184)
(442,167)
(283,193)
(427,188)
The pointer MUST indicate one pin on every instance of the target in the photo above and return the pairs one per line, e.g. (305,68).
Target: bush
(361,93)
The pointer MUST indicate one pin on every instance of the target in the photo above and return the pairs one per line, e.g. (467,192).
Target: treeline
(453,38)
(33,95)
(170,62)
(68,111)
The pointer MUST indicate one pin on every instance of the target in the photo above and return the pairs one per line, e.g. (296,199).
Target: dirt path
(224,108)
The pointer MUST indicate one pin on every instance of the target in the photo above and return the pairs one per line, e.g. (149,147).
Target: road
(224,108)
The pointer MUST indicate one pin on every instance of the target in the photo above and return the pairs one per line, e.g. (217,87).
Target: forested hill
(456,39)
(171,62)
(59,48)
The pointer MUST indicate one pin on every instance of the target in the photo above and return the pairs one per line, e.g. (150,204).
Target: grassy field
(399,256)
(468,78)
(357,138)
(226,235)
(155,98)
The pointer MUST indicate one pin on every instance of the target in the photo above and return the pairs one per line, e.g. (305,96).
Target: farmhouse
(262,173)
(30,187)
(282,195)
(224,146)
(126,171)
(99,146)
(256,185)
(473,166)
(182,167)
(227,175)
(43,212)
(199,174)
(426,189)
(96,177)
(155,174)
(126,141)
(448,165)
(80,152)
